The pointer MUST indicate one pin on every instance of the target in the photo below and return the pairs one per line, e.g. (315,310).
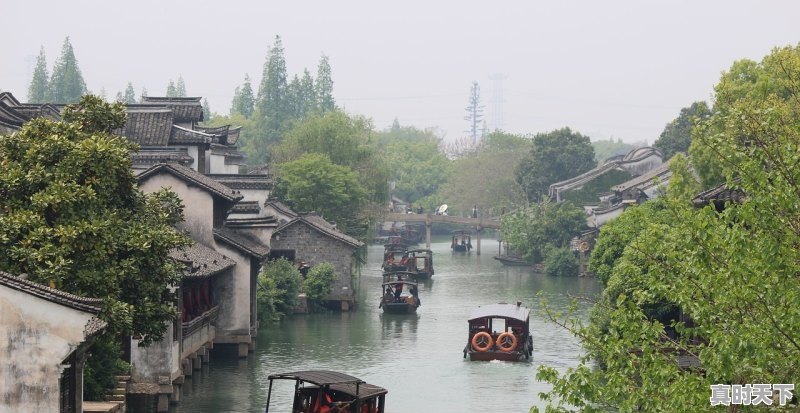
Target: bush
(561,262)
(102,365)
(319,282)
(279,283)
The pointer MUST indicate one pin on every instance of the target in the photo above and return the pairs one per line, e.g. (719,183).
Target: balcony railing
(204,320)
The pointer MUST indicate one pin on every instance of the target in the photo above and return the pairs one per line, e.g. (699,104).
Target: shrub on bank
(561,262)
(279,282)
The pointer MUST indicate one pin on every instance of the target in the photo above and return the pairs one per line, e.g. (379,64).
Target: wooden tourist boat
(499,332)
(513,261)
(400,296)
(420,263)
(395,258)
(322,391)
(461,241)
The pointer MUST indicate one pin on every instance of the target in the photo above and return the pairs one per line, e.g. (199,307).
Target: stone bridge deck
(478,223)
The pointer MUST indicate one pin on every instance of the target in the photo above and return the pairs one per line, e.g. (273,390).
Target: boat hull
(512,261)
(399,308)
(496,355)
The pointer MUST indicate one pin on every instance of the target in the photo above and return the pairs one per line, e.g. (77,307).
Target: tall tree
(66,83)
(236,102)
(474,112)
(143,95)
(272,99)
(554,156)
(206,110)
(172,91)
(247,99)
(73,218)
(180,88)
(130,95)
(38,89)
(324,86)
(308,94)
(677,136)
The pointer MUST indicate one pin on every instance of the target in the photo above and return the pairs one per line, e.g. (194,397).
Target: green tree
(272,104)
(143,95)
(491,164)
(74,219)
(206,109)
(474,112)
(180,88)
(243,99)
(307,94)
(347,141)
(66,83)
(130,95)
(561,262)
(533,230)
(604,149)
(38,89)
(324,86)
(554,157)
(319,282)
(722,272)
(314,183)
(279,283)
(172,91)
(414,160)
(677,135)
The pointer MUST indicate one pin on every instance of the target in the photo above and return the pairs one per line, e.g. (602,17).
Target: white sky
(620,69)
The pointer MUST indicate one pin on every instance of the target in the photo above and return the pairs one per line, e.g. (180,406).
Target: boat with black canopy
(324,391)
(400,294)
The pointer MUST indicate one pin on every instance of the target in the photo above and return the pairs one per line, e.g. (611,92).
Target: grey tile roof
(239,181)
(194,177)
(186,109)
(324,227)
(660,172)
(246,243)
(148,157)
(89,305)
(719,195)
(31,111)
(183,136)
(279,206)
(201,261)
(252,222)
(225,134)
(148,125)
(246,207)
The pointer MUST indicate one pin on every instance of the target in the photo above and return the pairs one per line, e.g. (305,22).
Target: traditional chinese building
(46,333)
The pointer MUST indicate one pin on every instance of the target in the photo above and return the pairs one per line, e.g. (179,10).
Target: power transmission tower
(497,100)
(474,112)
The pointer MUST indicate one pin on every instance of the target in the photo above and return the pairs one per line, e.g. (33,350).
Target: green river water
(418,358)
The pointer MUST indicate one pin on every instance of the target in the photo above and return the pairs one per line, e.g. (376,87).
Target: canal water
(418,358)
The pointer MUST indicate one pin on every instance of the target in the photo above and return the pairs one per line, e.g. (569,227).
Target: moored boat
(330,391)
(513,261)
(499,332)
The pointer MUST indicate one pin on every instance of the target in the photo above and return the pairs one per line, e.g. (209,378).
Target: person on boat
(474,211)
(398,289)
(404,261)
(413,291)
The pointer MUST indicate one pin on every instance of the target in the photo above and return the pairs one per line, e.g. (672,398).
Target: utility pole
(474,112)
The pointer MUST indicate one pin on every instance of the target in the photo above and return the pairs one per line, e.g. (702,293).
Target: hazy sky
(620,69)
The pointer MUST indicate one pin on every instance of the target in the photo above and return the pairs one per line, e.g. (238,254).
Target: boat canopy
(318,377)
(517,312)
(400,282)
(420,250)
(340,382)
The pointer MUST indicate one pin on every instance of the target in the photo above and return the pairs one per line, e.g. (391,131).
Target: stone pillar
(478,249)
(428,231)
(244,349)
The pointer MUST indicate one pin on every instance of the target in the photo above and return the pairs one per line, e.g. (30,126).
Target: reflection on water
(417,357)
